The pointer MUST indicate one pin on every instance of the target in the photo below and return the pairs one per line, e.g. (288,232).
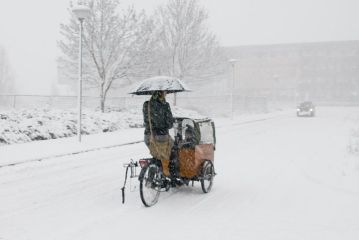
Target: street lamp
(81,12)
(233,63)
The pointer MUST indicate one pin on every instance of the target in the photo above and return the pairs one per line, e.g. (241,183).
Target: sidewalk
(40,150)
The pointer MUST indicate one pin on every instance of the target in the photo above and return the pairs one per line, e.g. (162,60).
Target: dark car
(306,109)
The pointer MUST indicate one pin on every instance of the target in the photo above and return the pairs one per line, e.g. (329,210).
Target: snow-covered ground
(353,145)
(279,177)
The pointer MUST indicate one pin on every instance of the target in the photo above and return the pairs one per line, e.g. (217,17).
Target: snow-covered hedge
(19,126)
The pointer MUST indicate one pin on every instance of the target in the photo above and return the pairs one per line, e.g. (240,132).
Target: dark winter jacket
(161,117)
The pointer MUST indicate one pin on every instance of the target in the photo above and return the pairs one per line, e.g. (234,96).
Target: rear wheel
(207,176)
(150,184)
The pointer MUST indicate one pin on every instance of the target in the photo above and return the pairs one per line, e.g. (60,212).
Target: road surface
(280,178)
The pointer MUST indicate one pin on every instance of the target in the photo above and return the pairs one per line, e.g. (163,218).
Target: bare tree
(114,45)
(187,48)
(6,74)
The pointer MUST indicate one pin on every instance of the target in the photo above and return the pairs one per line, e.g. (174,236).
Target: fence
(216,105)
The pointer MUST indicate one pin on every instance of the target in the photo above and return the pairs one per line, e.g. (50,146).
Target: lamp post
(233,63)
(81,12)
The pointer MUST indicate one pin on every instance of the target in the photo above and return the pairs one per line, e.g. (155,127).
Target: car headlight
(311,109)
(298,109)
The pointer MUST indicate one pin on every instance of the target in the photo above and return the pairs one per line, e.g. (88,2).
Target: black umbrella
(160,83)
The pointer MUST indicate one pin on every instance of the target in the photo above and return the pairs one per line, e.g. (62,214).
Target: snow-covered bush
(18,126)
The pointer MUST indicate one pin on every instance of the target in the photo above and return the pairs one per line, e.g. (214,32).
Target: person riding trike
(194,143)
(182,148)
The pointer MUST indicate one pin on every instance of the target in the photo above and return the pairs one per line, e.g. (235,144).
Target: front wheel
(150,186)
(207,176)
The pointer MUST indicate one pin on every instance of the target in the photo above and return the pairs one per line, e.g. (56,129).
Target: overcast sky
(29,29)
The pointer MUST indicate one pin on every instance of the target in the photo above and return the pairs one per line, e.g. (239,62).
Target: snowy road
(282,178)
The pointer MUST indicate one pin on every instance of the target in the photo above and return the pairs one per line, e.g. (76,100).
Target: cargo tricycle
(194,146)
